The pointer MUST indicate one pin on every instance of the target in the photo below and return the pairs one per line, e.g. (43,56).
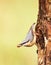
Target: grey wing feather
(29,36)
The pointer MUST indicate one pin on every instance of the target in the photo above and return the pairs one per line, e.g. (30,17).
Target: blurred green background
(16,17)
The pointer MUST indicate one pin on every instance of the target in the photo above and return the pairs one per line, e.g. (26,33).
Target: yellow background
(16,17)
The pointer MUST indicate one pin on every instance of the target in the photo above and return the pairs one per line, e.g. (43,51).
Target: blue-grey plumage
(29,37)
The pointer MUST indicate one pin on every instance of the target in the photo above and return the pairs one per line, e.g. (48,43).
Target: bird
(29,37)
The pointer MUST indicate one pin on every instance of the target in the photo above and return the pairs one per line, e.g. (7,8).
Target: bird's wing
(29,36)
